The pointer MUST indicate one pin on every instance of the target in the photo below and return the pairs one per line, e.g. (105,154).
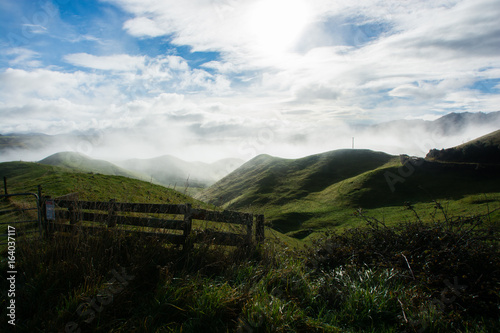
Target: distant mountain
(24,141)
(448,125)
(453,123)
(401,134)
(485,149)
(169,170)
(83,163)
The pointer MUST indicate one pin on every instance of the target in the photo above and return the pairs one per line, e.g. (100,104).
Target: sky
(207,79)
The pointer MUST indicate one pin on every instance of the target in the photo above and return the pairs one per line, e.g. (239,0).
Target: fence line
(51,212)
(108,214)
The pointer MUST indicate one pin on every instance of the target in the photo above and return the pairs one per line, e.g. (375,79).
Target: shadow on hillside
(291,221)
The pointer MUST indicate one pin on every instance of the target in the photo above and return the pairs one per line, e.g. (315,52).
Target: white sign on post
(51,210)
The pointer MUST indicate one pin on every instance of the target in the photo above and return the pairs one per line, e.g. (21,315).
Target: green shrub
(453,263)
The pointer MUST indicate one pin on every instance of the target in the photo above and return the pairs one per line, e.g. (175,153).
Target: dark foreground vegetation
(440,276)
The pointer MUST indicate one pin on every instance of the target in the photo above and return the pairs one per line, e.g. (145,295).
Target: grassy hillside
(82,163)
(300,197)
(411,277)
(460,191)
(267,180)
(485,149)
(58,181)
(25,177)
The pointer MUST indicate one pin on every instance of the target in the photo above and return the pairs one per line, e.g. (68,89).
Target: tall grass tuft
(415,277)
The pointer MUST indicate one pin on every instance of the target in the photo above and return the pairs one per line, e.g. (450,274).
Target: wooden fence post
(249,220)
(73,213)
(112,213)
(5,185)
(259,229)
(43,212)
(188,222)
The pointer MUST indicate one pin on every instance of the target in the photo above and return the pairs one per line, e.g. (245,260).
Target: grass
(290,194)
(485,149)
(81,163)
(300,198)
(415,268)
(413,277)
(57,181)
(269,180)
(25,177)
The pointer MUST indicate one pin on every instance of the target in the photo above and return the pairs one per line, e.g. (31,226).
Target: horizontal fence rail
(110,214)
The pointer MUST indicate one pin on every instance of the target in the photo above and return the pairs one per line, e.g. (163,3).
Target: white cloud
(422,51)
(143,26)
(119,62)
(17,85)
(221,67)
(24,57)
(319,63)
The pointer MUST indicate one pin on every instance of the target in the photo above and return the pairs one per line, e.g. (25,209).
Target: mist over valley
(250,166)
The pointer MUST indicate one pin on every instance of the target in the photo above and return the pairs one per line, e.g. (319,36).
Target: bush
(454,264)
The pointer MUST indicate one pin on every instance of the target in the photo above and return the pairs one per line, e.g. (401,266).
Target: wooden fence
(65,215)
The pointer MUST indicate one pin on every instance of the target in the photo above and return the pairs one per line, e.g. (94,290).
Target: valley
(301,198)
(353,238)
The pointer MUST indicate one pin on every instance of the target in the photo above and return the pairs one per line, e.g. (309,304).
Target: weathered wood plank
(171,238)
(134,221)
(151,208)
(124,207)
(62,214)
(150,222)
(93,217)
(90,205)
(223,217)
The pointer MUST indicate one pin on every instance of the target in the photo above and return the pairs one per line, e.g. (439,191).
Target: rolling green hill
(485,149)
(324,190)
(267,180)
(82,163)
(57,181)
(352,282)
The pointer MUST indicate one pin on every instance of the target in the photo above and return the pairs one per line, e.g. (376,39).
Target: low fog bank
(209,145)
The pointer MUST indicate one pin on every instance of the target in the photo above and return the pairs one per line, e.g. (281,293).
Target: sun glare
(276,25)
